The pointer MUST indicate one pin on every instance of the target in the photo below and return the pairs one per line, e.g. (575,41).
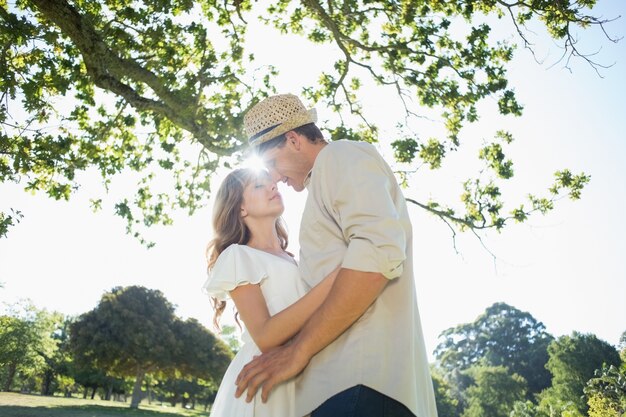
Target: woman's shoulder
(238,255)
(234,266)
(235,251)
(233,248)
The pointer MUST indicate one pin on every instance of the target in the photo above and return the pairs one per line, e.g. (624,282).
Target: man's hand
(269,369)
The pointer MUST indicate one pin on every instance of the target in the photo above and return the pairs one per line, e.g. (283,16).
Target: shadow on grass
(79,411)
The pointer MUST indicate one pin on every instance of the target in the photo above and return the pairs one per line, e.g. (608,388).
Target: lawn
(26,405)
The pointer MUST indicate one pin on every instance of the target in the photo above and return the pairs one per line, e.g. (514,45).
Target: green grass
(26,405)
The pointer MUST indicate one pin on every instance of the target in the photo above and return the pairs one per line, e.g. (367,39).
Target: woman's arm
(271,331)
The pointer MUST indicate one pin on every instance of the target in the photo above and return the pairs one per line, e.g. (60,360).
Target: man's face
(287,164)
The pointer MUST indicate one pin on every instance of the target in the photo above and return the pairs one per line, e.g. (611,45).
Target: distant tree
(573,362)
(606,392)
(447,405)
(16,339)
(199,353)
(501,336)
(524,409)
(494,391)
(458,381)
(133,332)
(27,337)
(91,378)
(229,335)
(129,334)
(57,372)
(187,391)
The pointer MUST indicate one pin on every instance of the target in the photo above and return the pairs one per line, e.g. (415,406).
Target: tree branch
(107,70)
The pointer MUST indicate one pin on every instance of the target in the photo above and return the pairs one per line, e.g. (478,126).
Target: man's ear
(293,140)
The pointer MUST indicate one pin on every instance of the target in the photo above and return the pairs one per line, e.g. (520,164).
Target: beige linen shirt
(355,215)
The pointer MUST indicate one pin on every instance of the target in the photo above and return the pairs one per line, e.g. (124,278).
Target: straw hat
(275,116)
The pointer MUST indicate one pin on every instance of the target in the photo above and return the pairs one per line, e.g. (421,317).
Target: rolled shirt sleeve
(362,203)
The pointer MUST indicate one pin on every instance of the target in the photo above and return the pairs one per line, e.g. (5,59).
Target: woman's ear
(243,212)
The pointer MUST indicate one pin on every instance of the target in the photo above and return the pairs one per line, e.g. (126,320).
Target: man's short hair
(309,131)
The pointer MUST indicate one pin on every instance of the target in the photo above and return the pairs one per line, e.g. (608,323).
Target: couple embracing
(338,333)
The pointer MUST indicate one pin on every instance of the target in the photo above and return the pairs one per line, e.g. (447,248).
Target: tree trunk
(85,392)
(109,393)
(47,382)
(136,398)
(10,376)
(149,392)
(93,393)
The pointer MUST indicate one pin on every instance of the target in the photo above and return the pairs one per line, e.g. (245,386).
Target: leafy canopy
(159,87)
(494,391)
(606,392)
(501,336)
(133,332)
(573,362)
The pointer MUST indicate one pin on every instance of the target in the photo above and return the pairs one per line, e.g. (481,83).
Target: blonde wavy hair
(228,225)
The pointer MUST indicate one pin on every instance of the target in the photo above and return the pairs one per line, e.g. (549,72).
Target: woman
(248,263)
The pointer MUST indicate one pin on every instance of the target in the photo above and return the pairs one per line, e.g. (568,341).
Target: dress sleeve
(234,267)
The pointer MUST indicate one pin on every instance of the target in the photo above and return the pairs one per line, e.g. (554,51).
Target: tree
(129,334)
(201,360)
(27,337)
(133,332)
(229,335)
(501,336)
(189,391)
(16,339)
(606,393)
(199,353)
(56,373)
(447,405)
(573,362)
(93,378)
(524,409)
(494,392)
(145,78)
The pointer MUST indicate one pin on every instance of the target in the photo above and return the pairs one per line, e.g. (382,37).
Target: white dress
(281,286)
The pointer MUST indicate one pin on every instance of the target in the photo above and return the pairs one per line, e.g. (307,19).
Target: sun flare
(255,163)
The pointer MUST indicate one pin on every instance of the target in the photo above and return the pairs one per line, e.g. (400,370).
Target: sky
(567,268)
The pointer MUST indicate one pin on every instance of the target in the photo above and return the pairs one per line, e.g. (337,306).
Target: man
(362,352)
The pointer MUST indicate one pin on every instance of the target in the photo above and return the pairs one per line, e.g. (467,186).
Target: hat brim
(297,120)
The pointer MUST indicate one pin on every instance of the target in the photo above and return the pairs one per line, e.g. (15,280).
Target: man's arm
(352,293)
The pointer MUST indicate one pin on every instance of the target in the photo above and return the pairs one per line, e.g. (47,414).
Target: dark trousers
(361,401)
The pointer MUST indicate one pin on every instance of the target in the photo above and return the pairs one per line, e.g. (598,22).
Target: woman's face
(261,198)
